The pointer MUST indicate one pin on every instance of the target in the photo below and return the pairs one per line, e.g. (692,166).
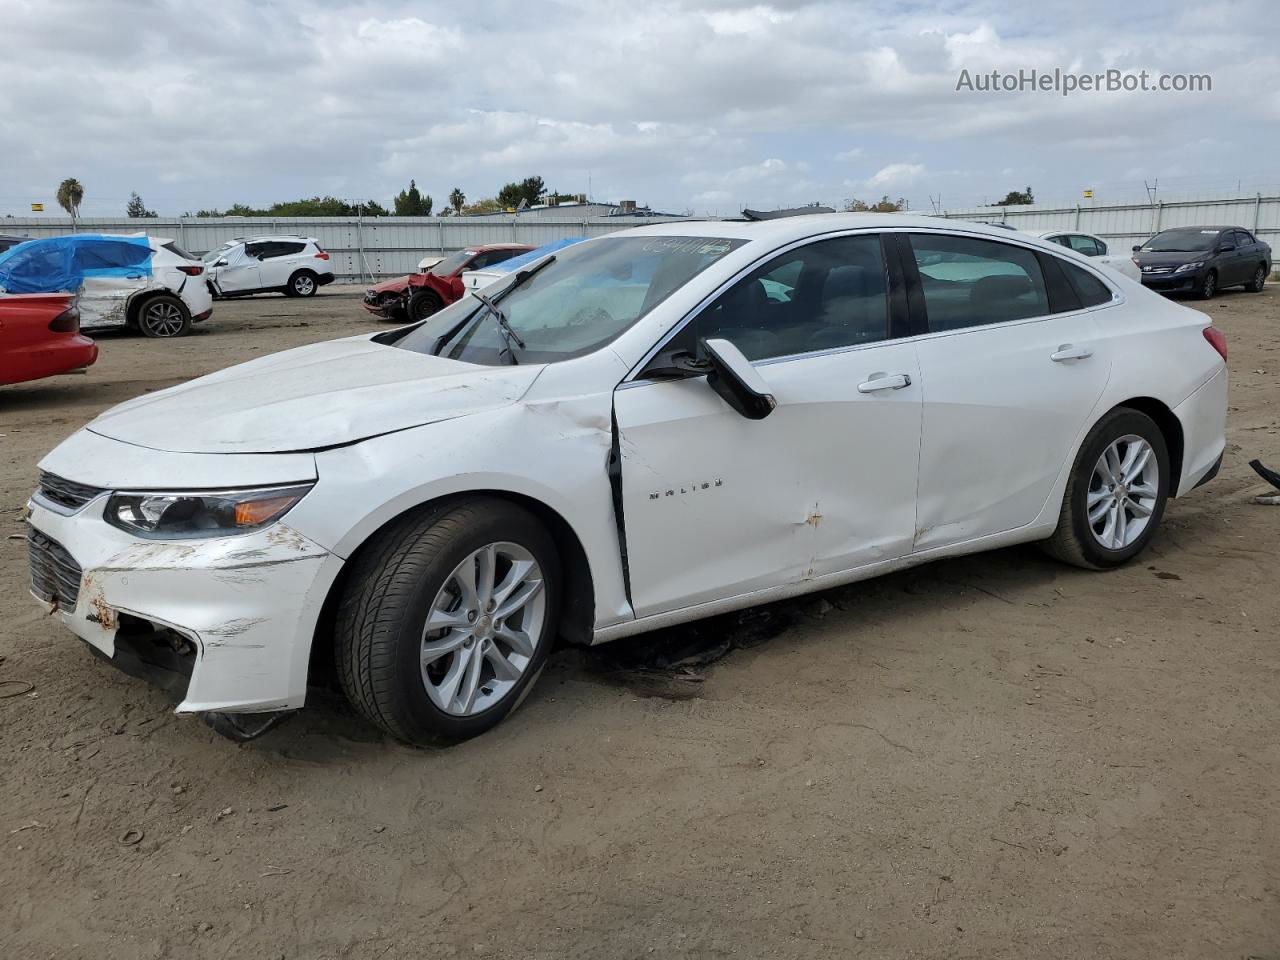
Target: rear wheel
(447,620)
(1259,278)
(422,304)
(164,317)
(302,284)
(1208,286)
(1116,494)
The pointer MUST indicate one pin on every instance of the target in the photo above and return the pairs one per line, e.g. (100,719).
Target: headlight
(1193,265)
(180,516)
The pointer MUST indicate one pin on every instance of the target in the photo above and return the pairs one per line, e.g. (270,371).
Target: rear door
(1011,368)
(279,260)
(113,272)
(717,505)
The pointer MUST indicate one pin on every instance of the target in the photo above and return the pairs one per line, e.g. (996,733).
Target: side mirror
(1226,248)
(220,263)
(1137,247)
(737,381)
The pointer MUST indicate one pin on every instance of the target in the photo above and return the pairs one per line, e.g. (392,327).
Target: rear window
(172,247)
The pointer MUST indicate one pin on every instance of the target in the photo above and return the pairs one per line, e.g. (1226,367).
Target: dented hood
(323,395)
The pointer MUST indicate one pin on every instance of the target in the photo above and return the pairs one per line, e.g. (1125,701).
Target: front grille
(1157,269)
(55,575)
(66,493)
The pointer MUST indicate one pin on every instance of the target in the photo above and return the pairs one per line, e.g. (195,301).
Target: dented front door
(716,505)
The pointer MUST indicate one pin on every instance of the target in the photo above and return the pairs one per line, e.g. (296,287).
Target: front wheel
(1208,286)
(447,620)
(423,304)
(1259,278)
(164,317)
(1116,494)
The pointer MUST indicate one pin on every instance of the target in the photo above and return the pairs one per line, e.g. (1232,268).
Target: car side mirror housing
(1226,248)
(1137,247)
(220,263)
(737,382)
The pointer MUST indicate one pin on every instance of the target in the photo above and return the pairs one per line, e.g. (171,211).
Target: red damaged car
(40,336)
(419,295)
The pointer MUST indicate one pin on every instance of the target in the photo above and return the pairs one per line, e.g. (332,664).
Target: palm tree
(70,193)
(456,199)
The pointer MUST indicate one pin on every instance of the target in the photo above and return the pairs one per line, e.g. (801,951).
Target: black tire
(394,580)
(163,317)
(422,304)
(1208,286)
(1073,541)
(303,283)
(1259,279)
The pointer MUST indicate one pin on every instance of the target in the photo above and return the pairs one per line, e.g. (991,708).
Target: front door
(716,505)
(1008,387)
(242,270)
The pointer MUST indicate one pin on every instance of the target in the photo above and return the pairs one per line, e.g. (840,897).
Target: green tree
(1015,198)
(487,205)
(456,199)
(529,190)
(411,203)
(136,209)
(70,193)
(883,205)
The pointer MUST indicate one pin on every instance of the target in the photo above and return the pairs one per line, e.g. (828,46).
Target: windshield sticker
(702,246)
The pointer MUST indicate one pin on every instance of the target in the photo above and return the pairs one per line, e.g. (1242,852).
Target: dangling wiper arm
(524,275)
(504,326)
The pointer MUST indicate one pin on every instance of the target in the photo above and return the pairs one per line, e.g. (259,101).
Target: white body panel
(1118,260)
(719,512)
(270,269)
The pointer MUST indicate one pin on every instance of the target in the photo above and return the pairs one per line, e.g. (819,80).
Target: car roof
(485,247)
(272,236)
(798,228)
(1207,226)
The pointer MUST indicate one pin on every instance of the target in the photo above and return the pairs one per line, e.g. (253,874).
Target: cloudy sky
(698,106)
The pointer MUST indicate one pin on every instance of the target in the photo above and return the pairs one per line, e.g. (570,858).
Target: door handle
(884,381)
(133,276)
(1068,352)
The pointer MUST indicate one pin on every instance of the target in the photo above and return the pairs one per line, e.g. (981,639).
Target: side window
(258,249)
(481,260)
(824,295)
(969,282)
(1088,288)
(1062,240)
(1243,238)
(1082,244)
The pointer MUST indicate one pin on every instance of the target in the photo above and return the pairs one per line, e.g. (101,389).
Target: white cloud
(896,175)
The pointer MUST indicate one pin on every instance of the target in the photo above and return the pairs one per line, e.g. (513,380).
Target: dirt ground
(991,757)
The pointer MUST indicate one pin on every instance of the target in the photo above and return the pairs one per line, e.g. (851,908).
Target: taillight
(192,271)
(68,321)
(1216,340)
(322,255)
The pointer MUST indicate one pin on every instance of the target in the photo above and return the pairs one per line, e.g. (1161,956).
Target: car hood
(398,285)
(323,395)
(1173,258)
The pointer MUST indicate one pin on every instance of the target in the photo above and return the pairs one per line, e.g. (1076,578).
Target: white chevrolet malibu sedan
(642,429)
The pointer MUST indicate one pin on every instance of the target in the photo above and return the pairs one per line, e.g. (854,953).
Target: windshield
(590,294)
(452,263)
(1186,240)
(217,252)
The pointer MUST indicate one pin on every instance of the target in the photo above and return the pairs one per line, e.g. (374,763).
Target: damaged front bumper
(235,613)
(390,306)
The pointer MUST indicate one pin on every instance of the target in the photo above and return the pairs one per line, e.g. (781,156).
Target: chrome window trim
(633,375)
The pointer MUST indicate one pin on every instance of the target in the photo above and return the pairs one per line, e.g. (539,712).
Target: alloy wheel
(1123,492)
(304,286)
(1209,286)
(163,319)
(483,628)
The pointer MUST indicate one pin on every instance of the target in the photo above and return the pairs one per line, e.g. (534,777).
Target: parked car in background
(1203,260)
(294,266)
(419,295)
(9,240)
(481,278)
(1091,246)
(40,337)
(635,434)
(148,284)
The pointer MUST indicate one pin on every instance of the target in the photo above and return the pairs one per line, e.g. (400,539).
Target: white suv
(294,266)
